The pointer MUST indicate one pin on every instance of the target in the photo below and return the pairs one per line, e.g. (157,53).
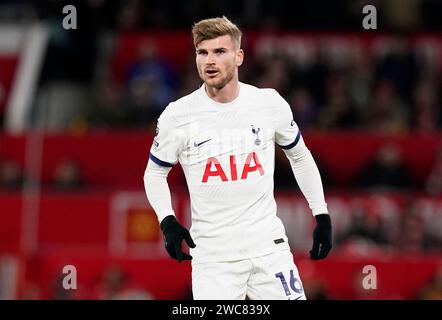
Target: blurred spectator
(67,175)
(364,228)
(59,292)
(433,288)
(426,109)
(11,176)
(432,239)
(283,174)
(311,69)
(358,291)
(402,15)
(108,110)
(112,282)
(129,15)
(315,289)
(151,85)
(116,285)
(359,75)
(303,107)
(387,113)
(31,291)
(433,182)
(410,236)
(398,65)
(337,111)
(274,75)
(387,171)
(189,80)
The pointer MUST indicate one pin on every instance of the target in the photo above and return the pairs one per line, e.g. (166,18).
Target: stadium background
(78,109)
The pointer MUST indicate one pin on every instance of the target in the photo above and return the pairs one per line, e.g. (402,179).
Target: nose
(210,59)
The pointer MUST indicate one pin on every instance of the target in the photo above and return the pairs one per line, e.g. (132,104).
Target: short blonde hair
(213,28)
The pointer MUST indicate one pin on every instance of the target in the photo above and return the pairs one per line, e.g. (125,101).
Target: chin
(218,84)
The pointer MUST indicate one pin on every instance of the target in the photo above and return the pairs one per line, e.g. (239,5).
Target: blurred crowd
(392,87)
(66,176)
(396,88)
(413,231)
(317,289)
(114,283)
(308,14)
(394,91)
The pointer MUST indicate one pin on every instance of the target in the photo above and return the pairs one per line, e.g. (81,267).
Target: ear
(239,57)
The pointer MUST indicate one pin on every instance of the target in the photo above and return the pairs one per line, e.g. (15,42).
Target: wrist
(323,218)
(167,221)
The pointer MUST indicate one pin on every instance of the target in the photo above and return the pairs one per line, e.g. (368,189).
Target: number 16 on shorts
(295,283)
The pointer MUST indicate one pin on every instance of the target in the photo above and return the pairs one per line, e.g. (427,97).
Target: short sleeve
(287,133)
(168,141)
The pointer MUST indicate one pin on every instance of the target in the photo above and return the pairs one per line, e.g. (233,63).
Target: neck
(226,94)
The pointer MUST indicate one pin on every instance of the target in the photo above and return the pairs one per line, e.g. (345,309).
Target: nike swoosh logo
(198,144)
(295,299)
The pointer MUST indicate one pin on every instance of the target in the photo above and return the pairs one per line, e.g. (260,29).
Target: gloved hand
(322,237)
(174,233)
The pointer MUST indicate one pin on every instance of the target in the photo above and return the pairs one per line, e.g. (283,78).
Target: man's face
(217,61)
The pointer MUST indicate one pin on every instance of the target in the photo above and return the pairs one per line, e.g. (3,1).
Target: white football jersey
(227,152)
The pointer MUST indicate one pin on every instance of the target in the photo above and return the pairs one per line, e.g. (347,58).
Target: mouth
(211,73)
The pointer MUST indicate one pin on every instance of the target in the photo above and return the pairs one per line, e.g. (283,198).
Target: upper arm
(168,141)
(287,133)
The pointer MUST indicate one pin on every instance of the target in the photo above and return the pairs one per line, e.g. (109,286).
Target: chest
(227,133)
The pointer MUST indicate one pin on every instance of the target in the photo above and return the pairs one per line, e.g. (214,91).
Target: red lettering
(248,168)
(217,172)
(233,168)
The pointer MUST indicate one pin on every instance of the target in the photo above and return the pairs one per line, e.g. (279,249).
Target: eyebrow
(216,49)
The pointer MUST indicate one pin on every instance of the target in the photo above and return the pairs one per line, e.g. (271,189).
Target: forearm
(308,177)
(157,190)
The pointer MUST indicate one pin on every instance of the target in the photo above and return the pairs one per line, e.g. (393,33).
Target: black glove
(174,233)
(322,237)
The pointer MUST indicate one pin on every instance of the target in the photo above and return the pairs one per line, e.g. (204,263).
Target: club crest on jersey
(256,132)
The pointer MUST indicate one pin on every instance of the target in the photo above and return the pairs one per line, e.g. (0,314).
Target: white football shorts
(270,277)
